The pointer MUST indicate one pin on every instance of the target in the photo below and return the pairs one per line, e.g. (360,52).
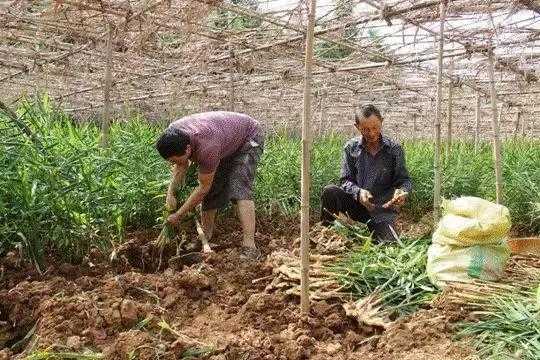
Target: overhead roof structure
(171,57)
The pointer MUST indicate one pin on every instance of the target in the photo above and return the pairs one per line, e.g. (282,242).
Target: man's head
(173,145)
(369,123)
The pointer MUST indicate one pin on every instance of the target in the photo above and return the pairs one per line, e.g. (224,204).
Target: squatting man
(374,179)
(226,147)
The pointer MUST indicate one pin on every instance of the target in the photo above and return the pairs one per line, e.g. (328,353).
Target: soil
(216,309)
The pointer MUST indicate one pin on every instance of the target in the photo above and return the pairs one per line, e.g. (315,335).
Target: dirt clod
(74,342)
(128,312)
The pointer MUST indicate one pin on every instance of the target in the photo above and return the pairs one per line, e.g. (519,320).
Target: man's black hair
(173,142)
(366,111)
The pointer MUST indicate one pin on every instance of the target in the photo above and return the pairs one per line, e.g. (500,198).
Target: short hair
(173,142)
(366,111)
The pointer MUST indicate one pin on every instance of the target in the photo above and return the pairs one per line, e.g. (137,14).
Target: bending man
(226,146)
(374,179)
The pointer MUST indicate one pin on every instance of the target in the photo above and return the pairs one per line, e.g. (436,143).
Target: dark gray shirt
(380,174)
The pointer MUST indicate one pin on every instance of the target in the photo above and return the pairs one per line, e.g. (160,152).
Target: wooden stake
(306,149)
(449,115)
(523,127)
(477,128)
(437,149)
(106,122)
(496,135)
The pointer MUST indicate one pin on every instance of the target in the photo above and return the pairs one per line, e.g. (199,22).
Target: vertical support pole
(449,114)
(437,135)
(106,122)
(523,126)
(306,157)
(496,135)
(477,115)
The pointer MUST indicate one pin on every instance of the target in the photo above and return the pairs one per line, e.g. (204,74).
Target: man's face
(370,128)
(181,160)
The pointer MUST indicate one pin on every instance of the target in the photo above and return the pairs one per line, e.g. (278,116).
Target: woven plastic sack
(448,263)
(472,221)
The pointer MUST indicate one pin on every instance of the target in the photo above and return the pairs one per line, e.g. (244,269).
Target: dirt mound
(216,309)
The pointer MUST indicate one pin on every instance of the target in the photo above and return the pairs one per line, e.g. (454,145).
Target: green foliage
(72,194)
(376,46)
(464,173)
(53,355)
(509,328)
(467,173)
(395,273)
(227,20)
(329,51)
(278,176)
(198,352)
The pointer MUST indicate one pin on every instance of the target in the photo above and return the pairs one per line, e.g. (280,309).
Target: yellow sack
(472,221)
(448,263)
(469,242)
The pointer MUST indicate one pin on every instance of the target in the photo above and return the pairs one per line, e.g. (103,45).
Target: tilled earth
(215,309)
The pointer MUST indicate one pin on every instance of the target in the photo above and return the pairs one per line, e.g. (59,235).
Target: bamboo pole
(477,115)
(306,149)
(106,122)
(437,149)
(496,135)
(449,113)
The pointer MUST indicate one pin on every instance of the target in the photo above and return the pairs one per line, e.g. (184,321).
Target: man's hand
(174,219)
(364,198)
(194,199)
(397,200)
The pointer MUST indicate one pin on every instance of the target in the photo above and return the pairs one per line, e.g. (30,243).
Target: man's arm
(402,179)
(195,198)
(348,174)
(177,178)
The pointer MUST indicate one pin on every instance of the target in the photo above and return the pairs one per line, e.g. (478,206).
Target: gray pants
(235,175)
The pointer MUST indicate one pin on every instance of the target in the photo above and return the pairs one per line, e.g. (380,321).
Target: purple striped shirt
(216,135)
